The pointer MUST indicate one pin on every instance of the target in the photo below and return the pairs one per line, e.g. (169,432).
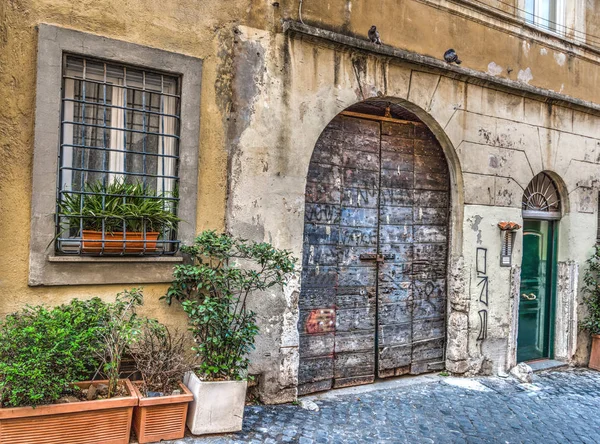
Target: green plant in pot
(120,329)
(214,293)
(591,298)
(43,350)
(105,215)
(162,359)
(45,353)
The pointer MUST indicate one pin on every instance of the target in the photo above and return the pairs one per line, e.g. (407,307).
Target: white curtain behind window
(167,146)
(67,139)
(116,159)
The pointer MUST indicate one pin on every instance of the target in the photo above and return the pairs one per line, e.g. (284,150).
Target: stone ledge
(465,74)
(121,259)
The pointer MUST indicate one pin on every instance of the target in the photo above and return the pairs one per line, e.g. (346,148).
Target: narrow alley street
(559,407)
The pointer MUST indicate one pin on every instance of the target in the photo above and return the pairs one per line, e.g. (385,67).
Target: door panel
(415,233)
(354,360)
(373,297)
(338,298)
(535,301)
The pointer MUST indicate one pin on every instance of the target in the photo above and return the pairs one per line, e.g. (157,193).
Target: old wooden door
(373,297)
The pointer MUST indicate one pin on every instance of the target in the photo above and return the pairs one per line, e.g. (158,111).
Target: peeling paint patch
(526,48)
(560,58)
(494,69)
(525,76)
(543,51)
(494,162)
(502,140)
(475,223)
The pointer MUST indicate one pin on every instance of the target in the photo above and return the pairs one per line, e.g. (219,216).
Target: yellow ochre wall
(191,27)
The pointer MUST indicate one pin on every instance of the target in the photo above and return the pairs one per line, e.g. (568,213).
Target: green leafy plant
(591,294)
(214,291)
(43,350)
(120,328)
(111,206)
(161,357)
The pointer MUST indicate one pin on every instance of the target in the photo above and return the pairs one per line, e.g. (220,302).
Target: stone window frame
(47,268)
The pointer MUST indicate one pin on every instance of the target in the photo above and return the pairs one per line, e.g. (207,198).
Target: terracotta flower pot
(113,242)
(163,417)
(106,421)
(595,355)
(218,406)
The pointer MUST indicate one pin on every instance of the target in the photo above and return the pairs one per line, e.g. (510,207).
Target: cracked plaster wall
(263,112)
(495,142)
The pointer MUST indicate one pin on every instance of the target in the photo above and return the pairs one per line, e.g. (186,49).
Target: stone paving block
(562,409)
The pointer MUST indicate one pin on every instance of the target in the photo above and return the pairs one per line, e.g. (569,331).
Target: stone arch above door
(373,294)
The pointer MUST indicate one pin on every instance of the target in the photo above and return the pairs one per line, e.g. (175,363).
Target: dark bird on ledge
(374,35)
(450,56)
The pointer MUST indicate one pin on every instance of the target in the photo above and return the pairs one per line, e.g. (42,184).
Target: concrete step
(546,364)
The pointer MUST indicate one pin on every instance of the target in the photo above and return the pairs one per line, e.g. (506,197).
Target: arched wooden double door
(373,295)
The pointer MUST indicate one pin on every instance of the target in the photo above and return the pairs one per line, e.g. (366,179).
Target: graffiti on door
(373,295)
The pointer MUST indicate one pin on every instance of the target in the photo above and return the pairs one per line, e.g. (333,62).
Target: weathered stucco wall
(495,142)
(267,96)
(491,41)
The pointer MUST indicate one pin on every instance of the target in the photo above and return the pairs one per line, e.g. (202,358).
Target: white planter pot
(218,407)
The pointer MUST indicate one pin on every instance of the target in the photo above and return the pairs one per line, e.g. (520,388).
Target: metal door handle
(529,297)
(376,257)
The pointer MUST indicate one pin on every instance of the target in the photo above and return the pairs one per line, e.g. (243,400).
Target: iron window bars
(118,160)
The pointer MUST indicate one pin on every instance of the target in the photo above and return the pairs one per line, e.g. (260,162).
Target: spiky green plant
(112,206)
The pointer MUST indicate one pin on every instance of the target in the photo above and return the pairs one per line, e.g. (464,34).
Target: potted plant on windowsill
(118,217)
(44,352)
(213,292)
(161,360)
(591,299)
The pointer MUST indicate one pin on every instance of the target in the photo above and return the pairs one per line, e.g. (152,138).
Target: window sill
(94,270)
(116,259)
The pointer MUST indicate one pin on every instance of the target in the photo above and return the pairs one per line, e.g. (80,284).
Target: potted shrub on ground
(161,360)
(119,217)
(213,292)
(44,352)
(591,298)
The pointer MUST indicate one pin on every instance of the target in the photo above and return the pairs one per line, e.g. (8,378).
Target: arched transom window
(541,199)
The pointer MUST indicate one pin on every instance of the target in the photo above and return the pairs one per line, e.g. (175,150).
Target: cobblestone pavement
(559,407)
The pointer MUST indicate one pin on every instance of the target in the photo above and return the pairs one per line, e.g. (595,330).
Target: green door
(537,290)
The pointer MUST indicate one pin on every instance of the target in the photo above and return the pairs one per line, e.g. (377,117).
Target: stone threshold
(379,384)
(541,365)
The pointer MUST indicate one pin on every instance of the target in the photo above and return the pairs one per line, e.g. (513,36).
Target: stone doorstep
(380,384)
(545,364)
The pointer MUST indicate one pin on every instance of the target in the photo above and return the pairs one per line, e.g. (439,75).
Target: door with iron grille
(373,297)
